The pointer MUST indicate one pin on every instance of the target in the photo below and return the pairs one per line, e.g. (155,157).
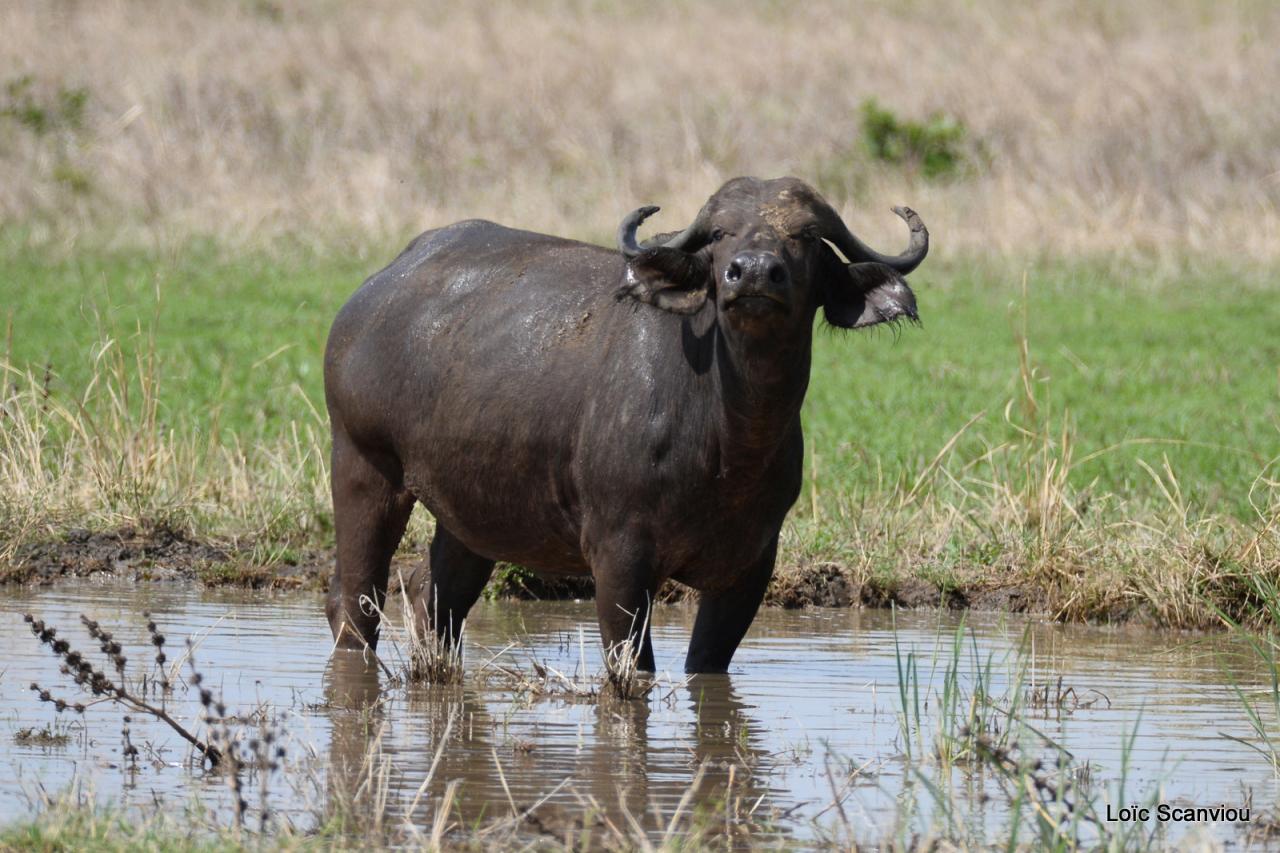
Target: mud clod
(141,554)
(817,585)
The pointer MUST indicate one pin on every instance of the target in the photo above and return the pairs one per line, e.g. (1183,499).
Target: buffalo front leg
(625,587)
(723,619)
(370,511)
(447,585)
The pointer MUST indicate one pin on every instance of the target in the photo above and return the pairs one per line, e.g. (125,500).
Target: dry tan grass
(1139,128)
(104,458)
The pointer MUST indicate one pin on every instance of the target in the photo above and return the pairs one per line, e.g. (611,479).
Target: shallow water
(812,698)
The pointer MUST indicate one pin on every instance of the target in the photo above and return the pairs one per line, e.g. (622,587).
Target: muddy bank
(165,554)
(157,553)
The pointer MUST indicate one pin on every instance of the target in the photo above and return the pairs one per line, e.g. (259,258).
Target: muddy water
(811,713)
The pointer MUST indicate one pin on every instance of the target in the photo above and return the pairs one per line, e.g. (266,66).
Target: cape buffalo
(632,414)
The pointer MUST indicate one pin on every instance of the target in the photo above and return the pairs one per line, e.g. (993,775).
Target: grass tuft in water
(432,657)
(978,716)
(47,737)
(429,656)
(623,677)
(1261,708)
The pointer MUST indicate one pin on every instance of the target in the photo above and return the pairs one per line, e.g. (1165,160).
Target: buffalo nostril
(734,272)
(777,273)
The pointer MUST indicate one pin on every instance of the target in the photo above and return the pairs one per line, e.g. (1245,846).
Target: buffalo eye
(717,234)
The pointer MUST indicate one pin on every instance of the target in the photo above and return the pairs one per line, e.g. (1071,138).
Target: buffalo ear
(861,295)
(670,279)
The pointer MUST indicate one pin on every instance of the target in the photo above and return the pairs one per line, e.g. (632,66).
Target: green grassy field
(1142,365)
(1098,432)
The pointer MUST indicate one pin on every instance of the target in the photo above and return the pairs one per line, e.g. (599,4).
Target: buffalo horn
(856,251)
(631,222)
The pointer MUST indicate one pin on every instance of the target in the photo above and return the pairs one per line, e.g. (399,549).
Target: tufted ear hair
(860,295)
(670,279)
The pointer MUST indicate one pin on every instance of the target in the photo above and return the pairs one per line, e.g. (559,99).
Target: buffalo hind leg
(370,511)
(723,619)
(625,588)
(447,585)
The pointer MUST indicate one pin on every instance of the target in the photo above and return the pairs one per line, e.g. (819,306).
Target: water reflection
(386,742)
(354,705)
(814,695)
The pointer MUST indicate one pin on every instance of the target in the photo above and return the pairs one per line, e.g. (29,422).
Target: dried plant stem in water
(89,677)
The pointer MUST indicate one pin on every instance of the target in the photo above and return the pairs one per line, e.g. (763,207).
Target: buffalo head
(761,253)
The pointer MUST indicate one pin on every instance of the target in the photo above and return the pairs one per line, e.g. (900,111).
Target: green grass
(70,824)
(1102,435)
(236,337)
(70,827)
(1189,362)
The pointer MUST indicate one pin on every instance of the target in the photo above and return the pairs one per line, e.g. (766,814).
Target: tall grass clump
(431,657)
(978,697)
(623,677)
(109,454)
